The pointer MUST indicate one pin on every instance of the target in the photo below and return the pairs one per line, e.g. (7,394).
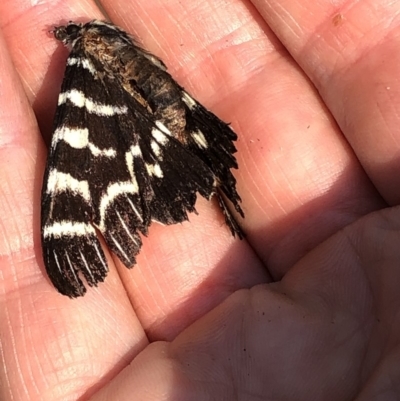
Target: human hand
(306,307)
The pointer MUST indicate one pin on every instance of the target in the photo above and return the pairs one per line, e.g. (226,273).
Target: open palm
(308,306)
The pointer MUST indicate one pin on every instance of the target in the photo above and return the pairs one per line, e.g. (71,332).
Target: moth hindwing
(130,146)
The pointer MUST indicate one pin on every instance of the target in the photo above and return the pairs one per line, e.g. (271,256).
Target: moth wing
(212,141)
(173,172)
(89,181)
(69,242)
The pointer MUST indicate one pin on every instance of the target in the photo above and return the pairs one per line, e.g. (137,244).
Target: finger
(349,51)
(185,271)
(41,39)
(40,330)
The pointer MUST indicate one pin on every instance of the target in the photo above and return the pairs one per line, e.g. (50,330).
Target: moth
(130,147)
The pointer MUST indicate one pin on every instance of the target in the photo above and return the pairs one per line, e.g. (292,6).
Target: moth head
(67,34)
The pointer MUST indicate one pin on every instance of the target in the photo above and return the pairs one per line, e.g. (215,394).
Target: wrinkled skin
(307,307)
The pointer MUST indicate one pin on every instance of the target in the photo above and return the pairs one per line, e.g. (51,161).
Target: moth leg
(229,219)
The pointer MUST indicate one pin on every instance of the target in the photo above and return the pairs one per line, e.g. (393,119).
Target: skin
(308,306)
